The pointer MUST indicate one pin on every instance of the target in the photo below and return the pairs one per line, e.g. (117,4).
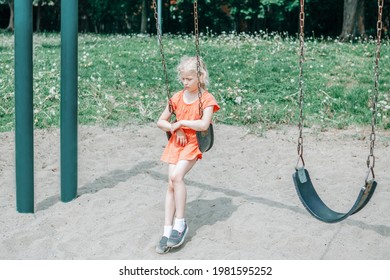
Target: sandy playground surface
(242,202)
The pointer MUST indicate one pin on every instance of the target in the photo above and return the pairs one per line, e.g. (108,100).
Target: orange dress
(174,152)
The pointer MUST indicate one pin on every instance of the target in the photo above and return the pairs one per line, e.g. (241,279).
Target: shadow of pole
(106,181)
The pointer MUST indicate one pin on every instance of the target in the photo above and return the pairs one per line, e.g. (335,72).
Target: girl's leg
(176,177)
(170,199)
(176,192)
(175,202)
(180,228)
(162,247)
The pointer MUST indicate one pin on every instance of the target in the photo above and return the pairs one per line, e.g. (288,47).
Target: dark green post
(69,74)
(24,123)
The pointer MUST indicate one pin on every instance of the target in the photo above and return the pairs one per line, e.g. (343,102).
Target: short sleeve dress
(174,152)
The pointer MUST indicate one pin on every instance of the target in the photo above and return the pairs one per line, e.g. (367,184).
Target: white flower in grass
(52,90)
(238,100)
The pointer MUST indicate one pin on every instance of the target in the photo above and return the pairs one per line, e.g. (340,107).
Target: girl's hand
(175,126)
(181,137)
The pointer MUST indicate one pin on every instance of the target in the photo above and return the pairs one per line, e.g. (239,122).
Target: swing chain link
(196,28)
(163,60)
(371,157)
(301,93)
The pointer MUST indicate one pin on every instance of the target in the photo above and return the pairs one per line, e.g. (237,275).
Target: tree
(11,16)
(39,4)
(353,19)
(144,18)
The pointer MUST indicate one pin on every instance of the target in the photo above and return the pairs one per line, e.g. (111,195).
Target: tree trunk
(127,22)
(144,19)
(39,16)
(360,19)
(11,16)
(353,19)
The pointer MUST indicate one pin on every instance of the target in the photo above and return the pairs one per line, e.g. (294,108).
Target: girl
(182,150)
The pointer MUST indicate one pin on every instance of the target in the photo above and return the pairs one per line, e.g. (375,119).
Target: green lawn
(254,79)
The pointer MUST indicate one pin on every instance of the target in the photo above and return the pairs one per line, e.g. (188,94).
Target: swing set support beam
(24,123)
(24,107)
(69,99)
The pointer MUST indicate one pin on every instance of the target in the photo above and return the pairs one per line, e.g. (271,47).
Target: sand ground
(242,202)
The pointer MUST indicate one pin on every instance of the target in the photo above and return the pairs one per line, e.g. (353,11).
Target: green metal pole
(24,123)
(159,15)
(69,74)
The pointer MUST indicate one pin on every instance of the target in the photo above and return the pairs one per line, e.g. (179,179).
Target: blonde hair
(189,64)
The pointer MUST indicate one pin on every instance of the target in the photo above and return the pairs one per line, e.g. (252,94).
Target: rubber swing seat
(205,139)
(316,207)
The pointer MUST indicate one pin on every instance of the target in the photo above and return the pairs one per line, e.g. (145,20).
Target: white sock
(179,224)
(167,231)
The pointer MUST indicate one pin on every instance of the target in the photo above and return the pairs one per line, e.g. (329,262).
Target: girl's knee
(174,179)
(170,185)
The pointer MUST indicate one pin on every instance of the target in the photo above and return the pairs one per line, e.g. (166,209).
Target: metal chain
(163,61)
(301,93)
(196,27)
(371,157)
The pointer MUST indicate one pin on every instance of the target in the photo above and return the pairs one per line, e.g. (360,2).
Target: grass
(254,79)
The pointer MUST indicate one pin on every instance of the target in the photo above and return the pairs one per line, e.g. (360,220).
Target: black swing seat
(313,203)
(205,139)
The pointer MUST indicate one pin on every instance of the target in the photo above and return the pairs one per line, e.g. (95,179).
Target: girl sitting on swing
(182,150)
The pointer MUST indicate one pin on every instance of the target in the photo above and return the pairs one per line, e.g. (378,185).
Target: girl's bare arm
(197,125)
